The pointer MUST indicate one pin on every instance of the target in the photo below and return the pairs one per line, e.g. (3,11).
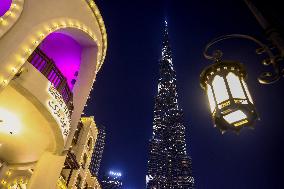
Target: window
(90,141)
(77,133)
(84,161)
(78,181)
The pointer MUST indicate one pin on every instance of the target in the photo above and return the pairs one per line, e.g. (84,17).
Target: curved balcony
(39,90)
(47,67)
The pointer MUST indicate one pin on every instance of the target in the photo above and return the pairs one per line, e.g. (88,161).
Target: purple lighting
(4,6)
(65,52)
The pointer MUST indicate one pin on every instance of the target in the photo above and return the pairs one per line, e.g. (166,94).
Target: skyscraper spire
(166,27)
(169,166)
(166,49)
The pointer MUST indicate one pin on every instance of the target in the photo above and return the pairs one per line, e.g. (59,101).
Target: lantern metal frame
(232,104)
(223,68)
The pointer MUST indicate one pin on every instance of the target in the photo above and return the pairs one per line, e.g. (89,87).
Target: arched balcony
(48,68)
(42,92)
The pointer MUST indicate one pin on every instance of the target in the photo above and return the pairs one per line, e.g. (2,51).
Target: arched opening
(68,57)
(5,6)
(77,133)
(85,157)
(90,143)
(66,54)
(59,58)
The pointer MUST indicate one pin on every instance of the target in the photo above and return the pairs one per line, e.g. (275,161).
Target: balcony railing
(47,67)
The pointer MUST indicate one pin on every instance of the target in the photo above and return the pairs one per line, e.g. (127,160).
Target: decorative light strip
(11,16)
(100,21)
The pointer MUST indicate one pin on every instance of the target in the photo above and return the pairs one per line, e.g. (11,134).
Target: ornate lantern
(229,98)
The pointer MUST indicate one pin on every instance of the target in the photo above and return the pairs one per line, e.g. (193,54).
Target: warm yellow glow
(211,98)
(220,90)
(235,116)
(235,86)
(8,173)
(61,183)
(224,104)
(247,91)
(11,16)
(9,122)
(237,101)
(3,182)
(4,22)
(18,185)
(241,123)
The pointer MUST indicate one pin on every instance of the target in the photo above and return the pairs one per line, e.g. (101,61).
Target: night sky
(123,96)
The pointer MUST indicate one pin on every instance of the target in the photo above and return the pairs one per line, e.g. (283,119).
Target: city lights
(118,174)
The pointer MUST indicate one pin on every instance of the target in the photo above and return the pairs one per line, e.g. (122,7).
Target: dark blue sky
(123,96)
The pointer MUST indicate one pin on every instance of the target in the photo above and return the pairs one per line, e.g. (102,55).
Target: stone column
(47,171)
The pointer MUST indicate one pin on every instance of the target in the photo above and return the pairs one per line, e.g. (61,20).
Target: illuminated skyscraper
(98,152)
(169,166)
(112,180)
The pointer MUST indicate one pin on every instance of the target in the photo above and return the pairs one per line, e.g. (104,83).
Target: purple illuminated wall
(4,6)
(66,53)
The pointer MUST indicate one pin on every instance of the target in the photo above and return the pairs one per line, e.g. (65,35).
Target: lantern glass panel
(247,91)
(211,98)
(235,116)
(235,86)
(220,89)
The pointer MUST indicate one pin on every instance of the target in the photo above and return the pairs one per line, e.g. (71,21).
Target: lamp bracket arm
(241,36)
(265,78)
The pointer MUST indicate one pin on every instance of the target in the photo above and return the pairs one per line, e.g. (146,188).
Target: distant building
(75,173)
(98,152)
(112,180)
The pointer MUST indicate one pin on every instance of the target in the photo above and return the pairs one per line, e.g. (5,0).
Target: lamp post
(231,104)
